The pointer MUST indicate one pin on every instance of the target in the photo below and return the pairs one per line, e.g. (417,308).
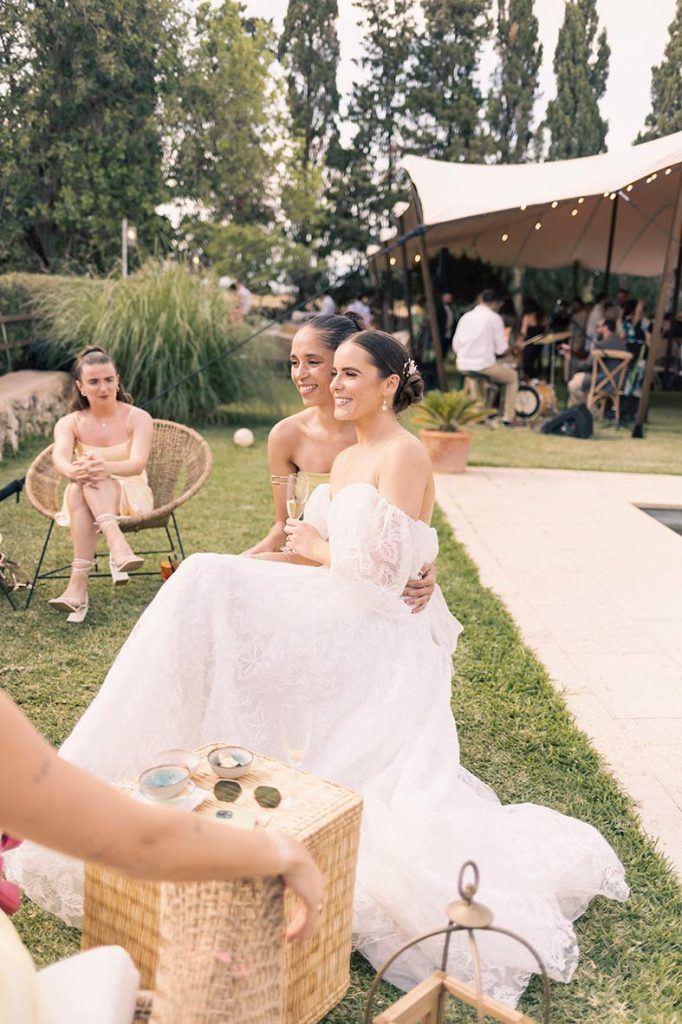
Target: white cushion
(18,995)
(99,986)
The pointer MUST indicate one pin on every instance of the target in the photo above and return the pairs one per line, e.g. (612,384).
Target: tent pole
(675,305)
(672,248)
(609,254)
(408,293)
(430,298)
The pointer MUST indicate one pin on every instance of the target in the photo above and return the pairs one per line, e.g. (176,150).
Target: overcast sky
(637,32)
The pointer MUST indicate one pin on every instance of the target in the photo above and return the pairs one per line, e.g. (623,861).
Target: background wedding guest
(360,305)
(533,324)
(480,344)
(101,447)
(579,384)
(447,321)
(327,305)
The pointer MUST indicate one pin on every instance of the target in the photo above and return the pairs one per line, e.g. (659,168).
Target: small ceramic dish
(230,762)
(164,781)
(189,758)
(190,798)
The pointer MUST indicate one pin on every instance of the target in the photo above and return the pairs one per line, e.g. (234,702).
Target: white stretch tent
(491,211)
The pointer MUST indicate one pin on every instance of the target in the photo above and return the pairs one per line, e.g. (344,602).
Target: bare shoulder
(139,417)
(289,428)
(406,451)
(66,425)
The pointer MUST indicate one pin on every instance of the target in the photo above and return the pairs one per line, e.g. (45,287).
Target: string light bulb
(668,170)
(629,188)
(612,196)
(654,176)
(538,225)
(574,211)
(417,258)
(581,200)
(505,237)
(524,205)
(554,205)
(606,195)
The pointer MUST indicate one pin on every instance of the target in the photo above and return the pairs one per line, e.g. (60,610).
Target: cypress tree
(445,101)
(581,64)
(364,176)
(309,50)
(515,84)
(666,86)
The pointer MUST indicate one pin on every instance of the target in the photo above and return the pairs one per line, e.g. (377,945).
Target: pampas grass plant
(160,325)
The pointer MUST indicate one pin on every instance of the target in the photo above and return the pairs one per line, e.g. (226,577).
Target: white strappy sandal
(119,570)
(77,611)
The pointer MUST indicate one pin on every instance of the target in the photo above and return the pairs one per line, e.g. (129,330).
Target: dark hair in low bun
(334,328)
(93,356)
(391,357)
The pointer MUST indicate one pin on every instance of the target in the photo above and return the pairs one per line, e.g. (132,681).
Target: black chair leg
(177,534)
(9,597)
(39,566)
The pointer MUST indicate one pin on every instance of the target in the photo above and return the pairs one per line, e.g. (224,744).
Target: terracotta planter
(449,451)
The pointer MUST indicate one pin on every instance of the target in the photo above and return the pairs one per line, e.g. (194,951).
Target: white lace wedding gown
(227,637)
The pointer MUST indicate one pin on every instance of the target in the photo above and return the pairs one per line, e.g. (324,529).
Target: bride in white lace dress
(227,638)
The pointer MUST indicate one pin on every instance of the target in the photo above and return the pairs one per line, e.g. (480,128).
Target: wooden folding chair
(607,380)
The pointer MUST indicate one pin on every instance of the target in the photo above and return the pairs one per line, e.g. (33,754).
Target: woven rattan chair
(180,461)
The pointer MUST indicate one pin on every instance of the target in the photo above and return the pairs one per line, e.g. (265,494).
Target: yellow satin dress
(136,495)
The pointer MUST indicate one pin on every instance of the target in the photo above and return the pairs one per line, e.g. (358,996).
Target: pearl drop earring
(384,406)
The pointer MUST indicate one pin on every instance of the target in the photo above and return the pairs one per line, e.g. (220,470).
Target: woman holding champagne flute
(307,443)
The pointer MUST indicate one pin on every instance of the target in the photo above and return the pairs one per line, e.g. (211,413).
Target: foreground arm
(49,801)
(280,466)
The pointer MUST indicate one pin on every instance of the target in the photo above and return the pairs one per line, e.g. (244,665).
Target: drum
(547,395)
(527,402)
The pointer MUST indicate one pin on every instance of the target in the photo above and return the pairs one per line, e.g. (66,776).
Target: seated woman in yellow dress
(102,447)
(307,442)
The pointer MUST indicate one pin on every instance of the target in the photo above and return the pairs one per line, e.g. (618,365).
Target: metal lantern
(427,1002)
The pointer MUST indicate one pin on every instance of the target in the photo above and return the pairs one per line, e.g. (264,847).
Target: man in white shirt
(478,343)
(327,306)
(361,307)
(244,297)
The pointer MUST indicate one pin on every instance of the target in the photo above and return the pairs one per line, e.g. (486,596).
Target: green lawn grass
(515,731)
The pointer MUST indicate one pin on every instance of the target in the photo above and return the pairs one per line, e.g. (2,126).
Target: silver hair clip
(409,368)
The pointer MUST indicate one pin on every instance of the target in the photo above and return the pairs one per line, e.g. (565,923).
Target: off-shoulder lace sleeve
(370,540)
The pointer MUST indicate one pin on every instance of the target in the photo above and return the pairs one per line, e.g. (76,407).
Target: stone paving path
(595,585)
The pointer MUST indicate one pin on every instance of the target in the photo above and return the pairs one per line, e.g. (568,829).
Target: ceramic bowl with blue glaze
(164,781)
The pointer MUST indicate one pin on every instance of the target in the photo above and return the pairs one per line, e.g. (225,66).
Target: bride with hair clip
(228,639)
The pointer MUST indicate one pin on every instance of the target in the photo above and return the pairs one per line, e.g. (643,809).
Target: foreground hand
(418,592)
(84,472)
(304,878)
(302,539)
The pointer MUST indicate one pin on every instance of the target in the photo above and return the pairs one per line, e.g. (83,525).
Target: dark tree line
(111,108)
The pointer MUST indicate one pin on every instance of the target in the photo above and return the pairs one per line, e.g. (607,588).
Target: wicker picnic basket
(214,951)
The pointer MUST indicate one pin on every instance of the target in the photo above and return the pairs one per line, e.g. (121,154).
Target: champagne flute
(297,494)
(298,486)
(296,728)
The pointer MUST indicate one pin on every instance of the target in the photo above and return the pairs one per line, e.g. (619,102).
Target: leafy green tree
(515,85)
(80,142)
(581,65)
(666,86)
(221,115)
(445,101)
(364,175)
(309,50)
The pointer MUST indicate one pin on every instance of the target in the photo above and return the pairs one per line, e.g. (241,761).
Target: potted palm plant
(442,415)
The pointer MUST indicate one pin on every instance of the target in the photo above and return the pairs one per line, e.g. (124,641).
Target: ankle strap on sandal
(106,519)
(82,565)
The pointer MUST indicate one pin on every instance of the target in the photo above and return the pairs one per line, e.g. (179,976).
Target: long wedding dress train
(227,638)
